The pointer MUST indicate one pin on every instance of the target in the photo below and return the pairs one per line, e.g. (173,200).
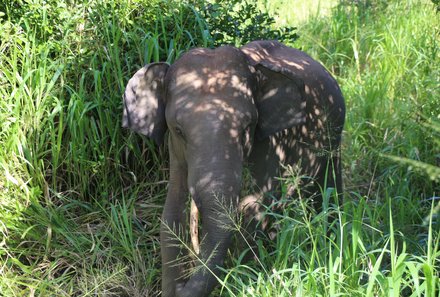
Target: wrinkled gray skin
(259,106)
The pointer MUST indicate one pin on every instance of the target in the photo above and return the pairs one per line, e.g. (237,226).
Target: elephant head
(215,103)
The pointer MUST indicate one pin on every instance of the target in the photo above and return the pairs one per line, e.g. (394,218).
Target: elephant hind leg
(329,177)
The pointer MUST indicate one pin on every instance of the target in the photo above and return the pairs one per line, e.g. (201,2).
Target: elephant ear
(280,100)
(144,106)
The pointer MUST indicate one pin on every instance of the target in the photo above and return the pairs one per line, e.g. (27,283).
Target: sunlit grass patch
(359,257)
(297,12)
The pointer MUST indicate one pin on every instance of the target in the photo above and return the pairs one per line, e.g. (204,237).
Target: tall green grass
(385,56)
(80,198)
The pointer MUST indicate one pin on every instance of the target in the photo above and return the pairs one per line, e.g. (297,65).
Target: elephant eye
(179,131)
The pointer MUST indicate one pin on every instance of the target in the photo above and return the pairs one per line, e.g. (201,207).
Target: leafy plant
(432,171)
(238,22)
(437,4)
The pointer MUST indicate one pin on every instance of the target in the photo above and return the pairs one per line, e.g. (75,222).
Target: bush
(437,4)
(238,22)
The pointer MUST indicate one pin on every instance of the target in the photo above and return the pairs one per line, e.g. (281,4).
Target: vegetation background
(80,198)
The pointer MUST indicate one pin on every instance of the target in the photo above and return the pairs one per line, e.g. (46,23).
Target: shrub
(238,22)
(437,4)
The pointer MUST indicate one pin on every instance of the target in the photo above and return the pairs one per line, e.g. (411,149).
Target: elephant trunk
(215,195)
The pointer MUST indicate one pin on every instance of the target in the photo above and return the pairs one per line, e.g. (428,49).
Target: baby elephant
(259,106)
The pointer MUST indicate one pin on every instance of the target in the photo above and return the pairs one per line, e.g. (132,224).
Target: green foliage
(238,22)
(75,71)
(66,164)
(437,4)
(354,259)
(390,82)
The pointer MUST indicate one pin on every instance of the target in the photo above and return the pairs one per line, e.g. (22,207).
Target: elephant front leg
(172,233)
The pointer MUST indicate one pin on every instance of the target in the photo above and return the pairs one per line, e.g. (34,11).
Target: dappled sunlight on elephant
(226,109)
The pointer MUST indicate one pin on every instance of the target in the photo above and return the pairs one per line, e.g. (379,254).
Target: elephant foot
(190,290)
